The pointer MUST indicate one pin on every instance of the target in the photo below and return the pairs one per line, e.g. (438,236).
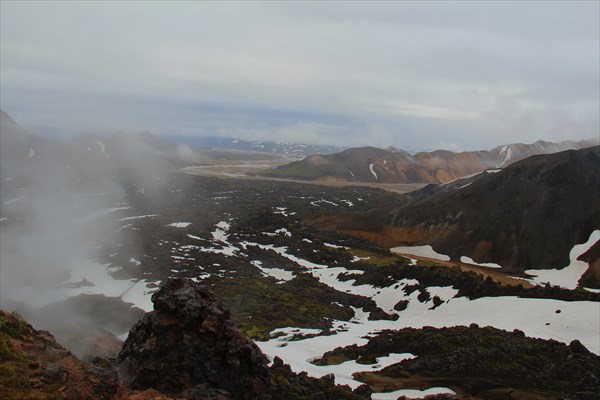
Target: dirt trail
(248,169)
(495,274)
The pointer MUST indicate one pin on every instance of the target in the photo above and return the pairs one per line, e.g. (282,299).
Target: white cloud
(484,73)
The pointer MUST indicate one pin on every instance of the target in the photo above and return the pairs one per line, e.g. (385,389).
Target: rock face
(188,343)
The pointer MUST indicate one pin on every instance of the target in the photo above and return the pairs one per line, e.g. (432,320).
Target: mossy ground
(14,383)
(476,360)
(263,305)
(376,258)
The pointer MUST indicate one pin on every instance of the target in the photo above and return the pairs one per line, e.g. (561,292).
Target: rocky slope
(370,164)
(34,366)
(529,215)
(187,348)
(92,325)
(484,363)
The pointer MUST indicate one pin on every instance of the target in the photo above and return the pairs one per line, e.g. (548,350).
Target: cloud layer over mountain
(458,75)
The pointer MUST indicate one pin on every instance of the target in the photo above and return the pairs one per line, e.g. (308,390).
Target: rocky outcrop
(189,343)
(34,366)
(187,349)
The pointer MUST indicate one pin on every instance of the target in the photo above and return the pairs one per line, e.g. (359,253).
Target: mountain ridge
(527,216)
(371,164)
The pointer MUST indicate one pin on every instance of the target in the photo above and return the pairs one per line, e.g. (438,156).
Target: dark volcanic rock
(189,340)
(480,362)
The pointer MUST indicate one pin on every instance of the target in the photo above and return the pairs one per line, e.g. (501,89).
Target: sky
(420,75)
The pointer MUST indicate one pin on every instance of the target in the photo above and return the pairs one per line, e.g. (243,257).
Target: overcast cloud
(458,75)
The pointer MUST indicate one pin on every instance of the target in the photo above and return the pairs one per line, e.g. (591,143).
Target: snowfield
(541,318)
(535,317)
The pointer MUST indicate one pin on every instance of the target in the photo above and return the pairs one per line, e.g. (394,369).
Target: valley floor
(300,292)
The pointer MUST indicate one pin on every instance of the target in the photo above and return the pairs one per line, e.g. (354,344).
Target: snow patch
(468,260)
(220,234)
(284,232)
(103,149)
(569,276)
(373,171)
(507,157)
(139,217)
(316,203)
(280,274)
(421,251)
(335,246)
(283,211)
(180,224)
(411,393)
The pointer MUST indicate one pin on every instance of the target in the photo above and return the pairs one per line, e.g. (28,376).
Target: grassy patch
(7,351)
(13,325)
(378,259)
(259,305)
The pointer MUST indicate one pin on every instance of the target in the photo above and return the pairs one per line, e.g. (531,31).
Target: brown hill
(370,164)
(529,215)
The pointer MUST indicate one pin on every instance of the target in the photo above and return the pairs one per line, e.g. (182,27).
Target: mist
(61,201)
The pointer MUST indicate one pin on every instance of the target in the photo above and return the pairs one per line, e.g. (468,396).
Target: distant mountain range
(295,150)
(528,215)
(370,164)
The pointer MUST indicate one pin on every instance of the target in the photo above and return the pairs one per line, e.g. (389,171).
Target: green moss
(377,259)
(10,376)
(425,263)
(8,371)
(259,305)
(13,325)
(7,351)
(256,332)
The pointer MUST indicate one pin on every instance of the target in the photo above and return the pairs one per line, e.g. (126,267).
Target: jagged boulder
(189,343)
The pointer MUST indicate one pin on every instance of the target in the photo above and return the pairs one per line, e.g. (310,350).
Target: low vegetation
(481,362)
